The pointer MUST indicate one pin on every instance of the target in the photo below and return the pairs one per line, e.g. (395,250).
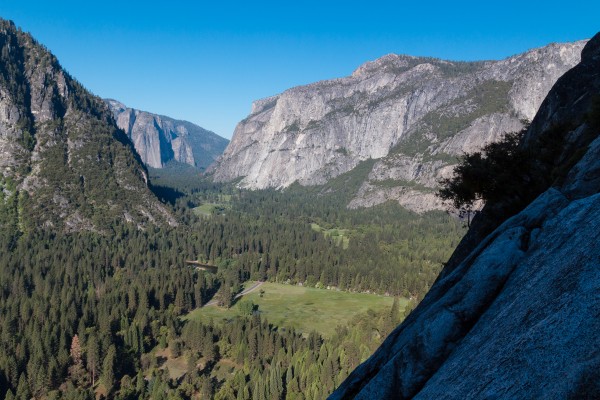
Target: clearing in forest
(302,308)
(338,235)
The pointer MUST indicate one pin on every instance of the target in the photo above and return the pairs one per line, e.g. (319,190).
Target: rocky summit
(63,161)
(414,115)
(515,312)
(159,139)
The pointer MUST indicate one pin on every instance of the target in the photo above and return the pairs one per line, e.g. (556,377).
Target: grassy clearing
(339,236)
(205,210)
(208,209)
(304,309)
(224,369)
(177,366)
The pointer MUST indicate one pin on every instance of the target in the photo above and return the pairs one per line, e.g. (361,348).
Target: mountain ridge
(414,114)
(160,139)
(64,164)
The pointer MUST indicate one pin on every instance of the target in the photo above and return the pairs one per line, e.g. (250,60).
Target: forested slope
(63,161)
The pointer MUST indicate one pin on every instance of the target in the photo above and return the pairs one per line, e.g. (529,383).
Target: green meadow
(302,308)
(339,236)
(208,209)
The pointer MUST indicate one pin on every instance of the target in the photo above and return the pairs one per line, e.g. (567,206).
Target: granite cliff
(414,115)
(515,312)
(159,139)
(63,161)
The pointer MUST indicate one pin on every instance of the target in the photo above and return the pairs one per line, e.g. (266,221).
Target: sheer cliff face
(517,315)
(63,161)
(160,139)
(413,114)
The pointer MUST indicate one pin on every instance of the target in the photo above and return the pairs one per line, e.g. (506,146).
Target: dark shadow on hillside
(166,194)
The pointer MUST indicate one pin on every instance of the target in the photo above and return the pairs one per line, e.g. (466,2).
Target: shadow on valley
(166,194)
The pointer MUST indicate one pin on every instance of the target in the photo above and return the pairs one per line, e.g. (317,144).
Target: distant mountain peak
(160,139)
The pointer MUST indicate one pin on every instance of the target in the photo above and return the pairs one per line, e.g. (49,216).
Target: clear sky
(206,62)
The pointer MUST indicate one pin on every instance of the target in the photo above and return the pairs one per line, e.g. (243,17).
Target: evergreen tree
(23,392)
(76,370)
(108,373)
(275,383)
(92,357)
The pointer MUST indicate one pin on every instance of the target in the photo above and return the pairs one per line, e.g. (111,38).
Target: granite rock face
(518,315)
(63,161)
(159,139)
(415,115)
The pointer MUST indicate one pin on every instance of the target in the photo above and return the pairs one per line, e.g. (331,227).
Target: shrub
(247,307)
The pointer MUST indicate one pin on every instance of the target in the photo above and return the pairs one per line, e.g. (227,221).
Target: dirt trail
(237,296)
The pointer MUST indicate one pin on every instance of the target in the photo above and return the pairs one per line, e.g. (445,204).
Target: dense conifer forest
(85,314)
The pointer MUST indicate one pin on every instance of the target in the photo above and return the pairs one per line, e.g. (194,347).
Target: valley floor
(304,309)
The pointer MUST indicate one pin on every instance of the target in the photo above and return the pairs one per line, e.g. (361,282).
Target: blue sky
(206,62)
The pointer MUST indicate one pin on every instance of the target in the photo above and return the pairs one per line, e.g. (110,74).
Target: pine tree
(226,392)
(76,370)
(23,392)
(206,387)
(108,373)
(140,383)
(275,383)
(392,319)
(76,351)
(243,393)
(92,357)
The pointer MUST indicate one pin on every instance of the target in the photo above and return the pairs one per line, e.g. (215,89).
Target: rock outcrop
(516,313)
(63,161)
(159,139)
(415,115)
